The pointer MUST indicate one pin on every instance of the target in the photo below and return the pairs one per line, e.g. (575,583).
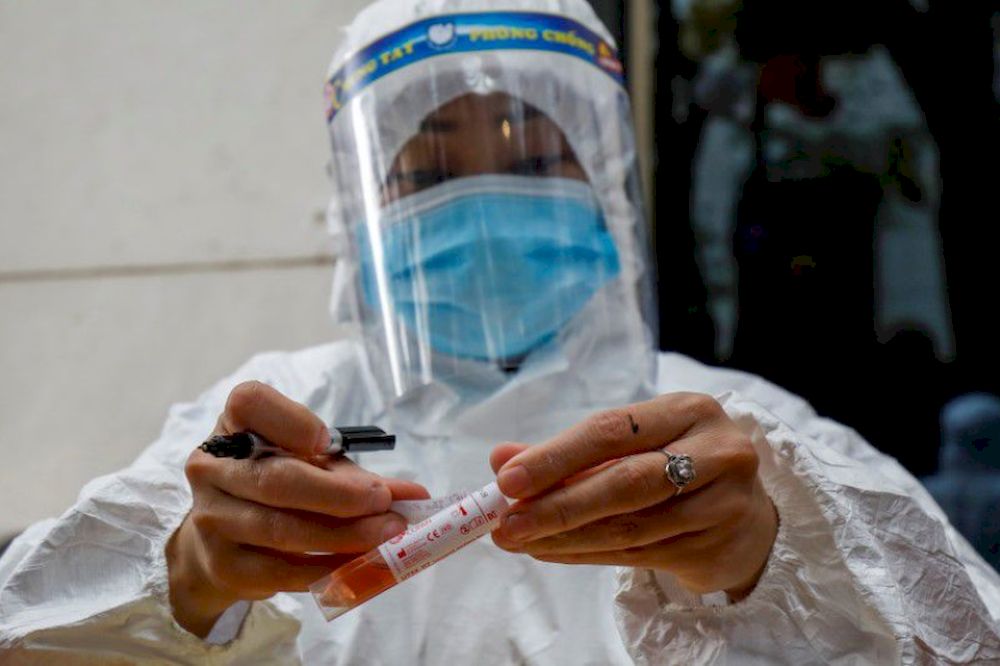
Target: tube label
(434,538)
(416,510)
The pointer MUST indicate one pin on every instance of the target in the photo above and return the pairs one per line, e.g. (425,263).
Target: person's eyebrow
(522,115)
(437,126)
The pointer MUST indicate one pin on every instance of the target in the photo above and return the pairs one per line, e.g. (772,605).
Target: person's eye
(538,165)
(418,179)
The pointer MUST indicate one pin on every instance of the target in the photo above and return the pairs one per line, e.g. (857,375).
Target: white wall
(143,147)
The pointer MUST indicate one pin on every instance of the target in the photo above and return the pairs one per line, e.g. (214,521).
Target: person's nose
(481,153)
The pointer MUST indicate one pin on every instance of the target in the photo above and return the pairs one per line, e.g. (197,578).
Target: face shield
(486,205)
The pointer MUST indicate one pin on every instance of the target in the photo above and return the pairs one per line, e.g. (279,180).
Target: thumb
(503,452)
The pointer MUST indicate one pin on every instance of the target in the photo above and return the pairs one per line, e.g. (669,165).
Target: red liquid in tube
(409,553)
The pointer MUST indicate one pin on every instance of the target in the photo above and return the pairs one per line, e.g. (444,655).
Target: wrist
(765,534)
(195,603)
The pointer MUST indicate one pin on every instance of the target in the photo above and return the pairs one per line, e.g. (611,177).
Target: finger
(328,560)
(591,471)
(259,408)
(680,554)
(504,452)
(611,434)
(406,490)
(256,574)
(246,523)
(631,484)
(702,561)
(342,489)
(400,489)
(667,520)
(501,453)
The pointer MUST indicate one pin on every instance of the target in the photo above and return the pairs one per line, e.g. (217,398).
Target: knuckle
(203,521)
(624,534)
(700,405)
(217,564)
(221,572)
(734,511)
(244,399)
(363,499)
(352,494)
(367,533)
(265,477)
(633,477)
(561,514)
(553,459)
(197,468)
(743,459)
(714,555)
(610,425)
(274,530)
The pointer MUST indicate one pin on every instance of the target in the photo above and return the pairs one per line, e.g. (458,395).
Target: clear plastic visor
(484,238)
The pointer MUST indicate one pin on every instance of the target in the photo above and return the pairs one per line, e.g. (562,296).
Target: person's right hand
(253,523)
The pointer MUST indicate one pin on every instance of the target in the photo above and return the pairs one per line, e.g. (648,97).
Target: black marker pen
(342,440)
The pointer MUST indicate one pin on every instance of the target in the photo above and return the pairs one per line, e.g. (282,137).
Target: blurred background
(820,179)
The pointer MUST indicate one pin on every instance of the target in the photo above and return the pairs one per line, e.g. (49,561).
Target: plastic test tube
(409,552)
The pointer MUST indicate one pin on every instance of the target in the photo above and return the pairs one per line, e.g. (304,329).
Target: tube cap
(365,438)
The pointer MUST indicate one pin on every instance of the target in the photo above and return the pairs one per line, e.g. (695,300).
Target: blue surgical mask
(491,267)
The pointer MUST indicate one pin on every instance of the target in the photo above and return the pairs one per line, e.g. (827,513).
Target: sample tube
(409,552)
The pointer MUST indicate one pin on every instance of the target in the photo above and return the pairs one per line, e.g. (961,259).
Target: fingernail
(505,544)
(519,526)
(513,480)
(380,497)
(392,528)
(323,441)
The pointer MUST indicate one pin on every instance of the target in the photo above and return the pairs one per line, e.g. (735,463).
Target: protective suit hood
(557,59)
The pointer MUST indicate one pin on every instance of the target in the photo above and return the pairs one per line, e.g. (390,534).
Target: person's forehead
(475,109)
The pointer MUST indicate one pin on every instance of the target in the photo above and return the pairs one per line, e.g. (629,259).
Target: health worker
(493,265)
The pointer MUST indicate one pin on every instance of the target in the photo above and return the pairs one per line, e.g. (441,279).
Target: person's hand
(256,525)
(598,494)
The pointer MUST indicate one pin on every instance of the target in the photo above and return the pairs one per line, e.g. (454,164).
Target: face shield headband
(465,33)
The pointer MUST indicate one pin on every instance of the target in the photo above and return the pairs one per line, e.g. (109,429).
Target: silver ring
(679,470)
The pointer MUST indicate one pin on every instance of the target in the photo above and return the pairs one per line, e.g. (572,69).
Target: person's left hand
(598,494)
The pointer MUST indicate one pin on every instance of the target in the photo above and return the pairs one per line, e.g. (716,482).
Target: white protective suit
(865,567)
